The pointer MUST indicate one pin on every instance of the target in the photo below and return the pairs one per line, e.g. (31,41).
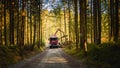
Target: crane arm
(57,31)
(60,31)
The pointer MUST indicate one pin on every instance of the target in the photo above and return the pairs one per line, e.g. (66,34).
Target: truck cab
(53,41)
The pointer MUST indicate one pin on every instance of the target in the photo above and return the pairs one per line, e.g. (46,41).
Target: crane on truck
(53,40)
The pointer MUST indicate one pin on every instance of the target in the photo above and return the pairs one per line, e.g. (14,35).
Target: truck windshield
(53,38)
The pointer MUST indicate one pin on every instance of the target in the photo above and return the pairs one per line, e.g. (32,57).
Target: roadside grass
(75,53)
(11,54)
(105,55)
(29,53)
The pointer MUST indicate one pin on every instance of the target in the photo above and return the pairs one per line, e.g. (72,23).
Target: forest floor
(50,58)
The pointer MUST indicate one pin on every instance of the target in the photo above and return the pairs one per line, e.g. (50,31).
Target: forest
(92,28)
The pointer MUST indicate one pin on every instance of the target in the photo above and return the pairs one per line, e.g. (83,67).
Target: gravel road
(50,58)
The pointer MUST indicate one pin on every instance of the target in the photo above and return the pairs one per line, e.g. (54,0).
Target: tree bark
(99,21)
(95,20)
(11,22)
(111,18)
(5,33)
(83,25)
(116,23)
(1,24)
(76,22)
(18,40)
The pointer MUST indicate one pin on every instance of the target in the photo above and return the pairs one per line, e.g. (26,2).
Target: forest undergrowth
(12,54)
(105,55)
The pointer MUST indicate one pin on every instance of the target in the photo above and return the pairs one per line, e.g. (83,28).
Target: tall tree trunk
(41,22)
(65,19)
(85,28)
(23,23)
(69,23)
(27,25)
(91,21)
(11,22)
(34,39)
(39,27)
(95,20)
(0,23)
(41,32)
(99,21)
(39,18)
(5,33)
(18,40)
(111,18)
(31,42)
(116,22)
(76,22)
(83,25)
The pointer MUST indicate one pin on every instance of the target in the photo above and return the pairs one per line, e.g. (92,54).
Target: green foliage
(12,54)
(8,56)
(106,53)
(27,47)
(43,43)
(75,53)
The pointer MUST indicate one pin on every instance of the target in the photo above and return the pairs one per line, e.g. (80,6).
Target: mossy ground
(105,55)
(11,54)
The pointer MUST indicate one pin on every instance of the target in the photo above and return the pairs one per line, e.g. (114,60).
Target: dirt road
(50,58)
